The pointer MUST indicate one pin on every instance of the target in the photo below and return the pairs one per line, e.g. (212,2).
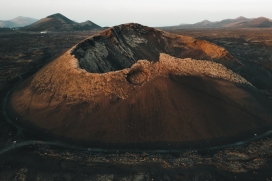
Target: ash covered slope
(156,102)
(121,46)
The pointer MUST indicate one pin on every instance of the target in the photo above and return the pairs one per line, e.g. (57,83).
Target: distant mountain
(240,22)
(86,25)
(204,23)
(260,22)
(229,22)
(58,22)
(20,21)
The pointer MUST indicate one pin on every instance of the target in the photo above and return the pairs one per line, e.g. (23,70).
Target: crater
(121,46)
(137,77)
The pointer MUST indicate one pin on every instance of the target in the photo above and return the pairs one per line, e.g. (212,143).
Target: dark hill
(61,18)
(86,25)
(58,22)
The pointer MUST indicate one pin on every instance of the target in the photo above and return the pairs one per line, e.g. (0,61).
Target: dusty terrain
(247,162)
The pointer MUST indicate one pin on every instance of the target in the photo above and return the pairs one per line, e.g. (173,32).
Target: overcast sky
(146,12)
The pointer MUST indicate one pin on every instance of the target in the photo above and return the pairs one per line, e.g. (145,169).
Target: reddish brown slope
(167,110)
(180,111)
(160,109)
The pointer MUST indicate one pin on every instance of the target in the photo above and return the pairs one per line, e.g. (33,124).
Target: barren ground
(25,53)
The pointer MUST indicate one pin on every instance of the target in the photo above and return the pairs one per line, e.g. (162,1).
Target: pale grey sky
(146,12)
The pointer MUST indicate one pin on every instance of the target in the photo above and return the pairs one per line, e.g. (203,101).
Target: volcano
(133,86)
(58,22)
